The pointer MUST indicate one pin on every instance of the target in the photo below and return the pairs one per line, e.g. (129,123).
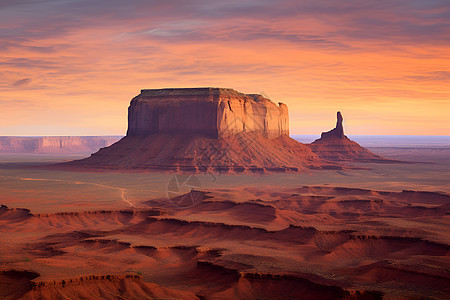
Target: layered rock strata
(214,112)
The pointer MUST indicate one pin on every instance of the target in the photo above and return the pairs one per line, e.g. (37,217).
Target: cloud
(179,33)
(21,82)
(401,21)
(22,104)
(306,51)
(438,76)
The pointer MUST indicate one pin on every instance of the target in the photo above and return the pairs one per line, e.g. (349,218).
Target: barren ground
(320,234)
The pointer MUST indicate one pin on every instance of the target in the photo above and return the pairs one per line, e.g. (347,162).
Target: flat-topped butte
(215,112)
(188,91)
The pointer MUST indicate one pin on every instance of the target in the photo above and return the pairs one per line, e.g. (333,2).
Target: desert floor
(323,234)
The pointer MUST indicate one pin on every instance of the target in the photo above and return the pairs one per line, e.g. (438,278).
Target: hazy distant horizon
(368,140)
(388,140)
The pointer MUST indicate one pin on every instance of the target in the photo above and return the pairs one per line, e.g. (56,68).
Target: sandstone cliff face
(214,112)
(55,144)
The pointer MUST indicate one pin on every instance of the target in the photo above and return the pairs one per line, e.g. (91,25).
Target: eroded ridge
(249,243)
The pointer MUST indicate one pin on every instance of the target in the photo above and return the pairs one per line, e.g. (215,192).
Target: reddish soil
(310,242)
(194,152)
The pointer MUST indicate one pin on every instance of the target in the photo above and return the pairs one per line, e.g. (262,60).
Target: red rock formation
(193,152)
(214,112)
(215,129)
(338,131)
(336,146)
(201,129)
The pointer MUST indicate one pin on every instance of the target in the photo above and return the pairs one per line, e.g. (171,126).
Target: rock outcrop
(205,129)
(214,112)
(216,129)
(334,145)
(337,132)
(55,144)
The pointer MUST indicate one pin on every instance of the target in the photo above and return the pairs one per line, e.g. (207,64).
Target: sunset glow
(70,67)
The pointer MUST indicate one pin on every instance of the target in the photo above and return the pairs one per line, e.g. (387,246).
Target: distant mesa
(334,145)
(215,129)
(55,144)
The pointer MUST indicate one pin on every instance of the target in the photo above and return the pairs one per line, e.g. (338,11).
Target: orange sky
(70,67)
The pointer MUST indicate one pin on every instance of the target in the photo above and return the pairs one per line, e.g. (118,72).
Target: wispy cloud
(19,104)
(21,82)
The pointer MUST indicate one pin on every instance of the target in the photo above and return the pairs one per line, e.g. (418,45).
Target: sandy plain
(379,232)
